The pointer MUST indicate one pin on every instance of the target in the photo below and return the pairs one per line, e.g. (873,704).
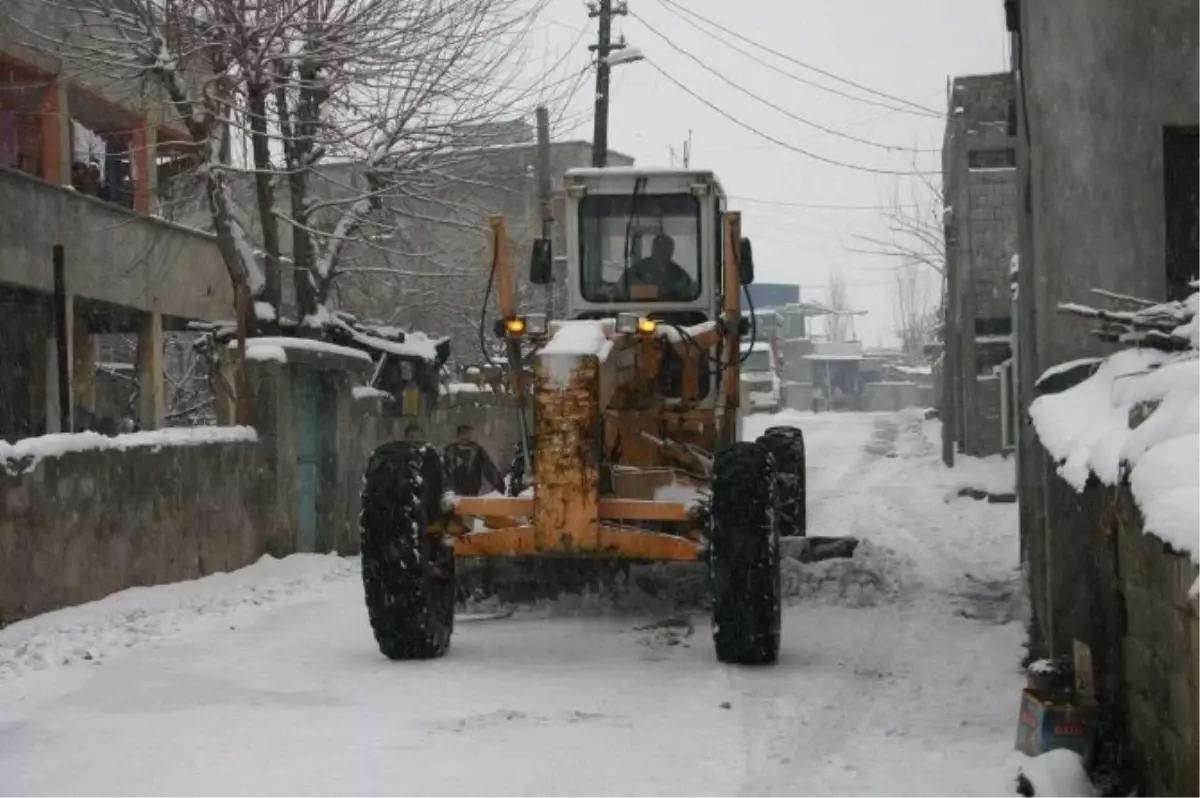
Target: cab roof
(706,175)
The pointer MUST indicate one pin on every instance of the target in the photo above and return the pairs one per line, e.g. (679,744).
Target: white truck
(762,389)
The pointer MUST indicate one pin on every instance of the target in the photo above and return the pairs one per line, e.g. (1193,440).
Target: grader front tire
(744,556)
(408,575)
(786,445)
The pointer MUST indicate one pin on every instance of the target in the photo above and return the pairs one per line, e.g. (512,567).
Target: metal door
(307,397)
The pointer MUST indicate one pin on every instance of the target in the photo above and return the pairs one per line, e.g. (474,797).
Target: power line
(781,142)
(820,207)
(769,103)
(912,107)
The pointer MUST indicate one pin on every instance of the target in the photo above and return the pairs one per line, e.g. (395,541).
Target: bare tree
(914,309)
(915,231)
(383,83)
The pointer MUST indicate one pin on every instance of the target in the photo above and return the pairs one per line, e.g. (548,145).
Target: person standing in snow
(467,465)
(414,434)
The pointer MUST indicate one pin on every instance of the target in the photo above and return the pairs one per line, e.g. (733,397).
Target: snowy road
(899,672)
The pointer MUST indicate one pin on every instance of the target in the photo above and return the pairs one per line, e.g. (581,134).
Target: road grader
(631,423)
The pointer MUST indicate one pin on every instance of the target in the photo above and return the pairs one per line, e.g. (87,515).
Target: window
(995,325)
(1004,158)
(757,361)
(1180,165)
(643,248)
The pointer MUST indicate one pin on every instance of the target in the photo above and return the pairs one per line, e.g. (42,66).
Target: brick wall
(1097,576)
(993,239)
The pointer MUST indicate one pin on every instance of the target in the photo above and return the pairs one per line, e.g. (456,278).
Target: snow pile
(95,631)
(24,455)
(874,575)
(680,492)
(256,350)
(1057,772)
(573,340)
(415,344)
(1139,412)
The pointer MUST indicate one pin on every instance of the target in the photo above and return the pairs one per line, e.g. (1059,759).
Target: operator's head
(464,433)
(414,434)
(662,248)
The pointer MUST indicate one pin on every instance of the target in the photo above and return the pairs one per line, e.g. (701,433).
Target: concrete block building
(979,164)
(80,156)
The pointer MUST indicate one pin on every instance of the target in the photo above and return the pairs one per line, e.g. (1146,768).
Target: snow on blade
(573,340)
(61,443)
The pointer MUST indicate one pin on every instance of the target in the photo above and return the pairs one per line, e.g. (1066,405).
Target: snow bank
(573,340)
(55,445)
(1058,772)
(311,345)
(1138,413)
(97,630)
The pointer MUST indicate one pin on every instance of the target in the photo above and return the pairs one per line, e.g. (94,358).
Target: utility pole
(604,46)
(544,191)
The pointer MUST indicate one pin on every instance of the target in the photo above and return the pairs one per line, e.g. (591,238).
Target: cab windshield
(641,248)
(756,361)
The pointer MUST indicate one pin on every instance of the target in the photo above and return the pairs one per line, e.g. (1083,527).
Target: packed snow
(25,454)
(899,674)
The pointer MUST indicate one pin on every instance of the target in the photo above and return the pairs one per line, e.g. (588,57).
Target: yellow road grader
(634,451)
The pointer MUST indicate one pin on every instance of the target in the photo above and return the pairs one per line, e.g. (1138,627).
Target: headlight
(647,326)
(536,323)
(515,327)
(627,322)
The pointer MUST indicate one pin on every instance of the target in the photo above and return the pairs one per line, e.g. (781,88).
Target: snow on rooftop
(260,351)
(284,343)
(59,444)
(415,344)
(368,392)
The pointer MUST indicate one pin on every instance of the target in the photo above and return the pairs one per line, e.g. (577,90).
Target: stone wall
(1129,601)
(889,396)
(76,527)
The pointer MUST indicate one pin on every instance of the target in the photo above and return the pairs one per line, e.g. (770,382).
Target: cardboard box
(1045,725)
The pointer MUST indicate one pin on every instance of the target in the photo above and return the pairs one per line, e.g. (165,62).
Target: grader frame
(621,410)
(567,515)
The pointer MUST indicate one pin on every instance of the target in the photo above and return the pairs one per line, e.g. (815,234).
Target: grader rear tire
(408,575)
(744,559)
(786,445)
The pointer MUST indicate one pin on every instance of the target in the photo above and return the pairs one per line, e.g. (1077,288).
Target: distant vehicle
(760,378)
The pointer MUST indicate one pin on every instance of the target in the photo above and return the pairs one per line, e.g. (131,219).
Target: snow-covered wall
(82,516)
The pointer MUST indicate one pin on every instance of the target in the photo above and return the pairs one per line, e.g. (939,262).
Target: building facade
(81,251)
(980,192)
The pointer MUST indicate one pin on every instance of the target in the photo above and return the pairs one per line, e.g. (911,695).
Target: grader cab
(633,451)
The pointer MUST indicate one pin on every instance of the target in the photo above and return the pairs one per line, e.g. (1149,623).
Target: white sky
(908,50)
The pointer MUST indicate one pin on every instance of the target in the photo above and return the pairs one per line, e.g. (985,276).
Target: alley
(899,673)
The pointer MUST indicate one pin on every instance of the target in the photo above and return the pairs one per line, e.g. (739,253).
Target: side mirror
(745,262)
(541,262)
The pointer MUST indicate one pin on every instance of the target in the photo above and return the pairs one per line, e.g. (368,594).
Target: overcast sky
(907,50)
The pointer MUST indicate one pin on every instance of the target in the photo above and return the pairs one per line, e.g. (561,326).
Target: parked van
(762,390)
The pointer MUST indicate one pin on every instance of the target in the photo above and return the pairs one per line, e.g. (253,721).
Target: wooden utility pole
(604,12)
(544,190)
